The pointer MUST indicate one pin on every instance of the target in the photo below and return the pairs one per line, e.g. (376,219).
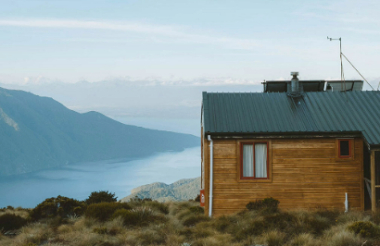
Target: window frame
(254,161)
(351,147)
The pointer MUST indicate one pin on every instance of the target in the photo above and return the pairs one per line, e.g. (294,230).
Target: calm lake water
(79,180)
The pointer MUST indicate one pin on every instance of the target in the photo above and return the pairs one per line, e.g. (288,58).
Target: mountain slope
(182,190)
(38,132)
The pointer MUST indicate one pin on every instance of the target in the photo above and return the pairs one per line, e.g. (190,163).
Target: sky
(165,53)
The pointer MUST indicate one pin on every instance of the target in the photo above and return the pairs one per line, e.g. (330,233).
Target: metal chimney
(295,85)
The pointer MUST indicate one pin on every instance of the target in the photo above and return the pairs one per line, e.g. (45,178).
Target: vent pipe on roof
(329,88)
(295,84)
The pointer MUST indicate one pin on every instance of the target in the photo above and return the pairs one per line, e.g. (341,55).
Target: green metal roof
(278,113)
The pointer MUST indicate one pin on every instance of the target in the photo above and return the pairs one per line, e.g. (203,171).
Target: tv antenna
(341,65)
(341,62)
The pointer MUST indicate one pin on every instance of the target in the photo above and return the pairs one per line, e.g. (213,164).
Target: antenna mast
(341,62)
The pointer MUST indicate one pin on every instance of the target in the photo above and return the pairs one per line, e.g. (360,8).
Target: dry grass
(185,224)
(17,211)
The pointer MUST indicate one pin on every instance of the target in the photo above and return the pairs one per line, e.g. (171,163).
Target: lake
(79,180)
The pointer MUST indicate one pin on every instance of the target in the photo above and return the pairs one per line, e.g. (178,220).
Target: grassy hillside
(182,190)
(38,132)
(145,222)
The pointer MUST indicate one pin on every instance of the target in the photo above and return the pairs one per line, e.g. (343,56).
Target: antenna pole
(341,62)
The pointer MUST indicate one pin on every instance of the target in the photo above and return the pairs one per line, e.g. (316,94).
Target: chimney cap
(294,73)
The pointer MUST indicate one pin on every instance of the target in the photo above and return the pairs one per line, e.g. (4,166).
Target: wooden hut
(307,146)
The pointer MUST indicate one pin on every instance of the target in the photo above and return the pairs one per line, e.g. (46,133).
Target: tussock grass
(146,222)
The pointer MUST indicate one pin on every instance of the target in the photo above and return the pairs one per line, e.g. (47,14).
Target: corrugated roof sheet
(314,112)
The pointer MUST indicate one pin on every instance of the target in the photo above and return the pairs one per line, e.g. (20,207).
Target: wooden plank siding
(304,173)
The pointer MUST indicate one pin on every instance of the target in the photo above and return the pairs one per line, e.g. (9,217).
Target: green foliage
(129,218)
(104,211)
(141,216)
(365,229)
(10,208)
(100,230)
(101,196)
(224,223)
(52,207)
(197,210)
(198,198)
(317,224)
(11,222)
(157,206)
(269,205)
(139,200)
(194,219)
(253,228)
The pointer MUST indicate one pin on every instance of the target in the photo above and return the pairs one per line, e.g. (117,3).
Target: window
(254,161)
(344,148)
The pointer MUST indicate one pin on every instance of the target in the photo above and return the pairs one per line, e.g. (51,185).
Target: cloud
(180,33)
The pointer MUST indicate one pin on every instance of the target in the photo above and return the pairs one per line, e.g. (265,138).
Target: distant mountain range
(182,190)
(39,132)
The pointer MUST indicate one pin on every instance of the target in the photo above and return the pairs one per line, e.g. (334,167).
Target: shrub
(223,223)
(303,239)
(52,207)
(317,224)
(364,229)
(255,228)
(151,237)
(344,238)
(197,210)
(137,199)
(331,215)
(100,230)
(198,198)
(10,208)
(141,216)
(129,217)
(101,196)
(280,221)
(273,238)
(158,206)
(104,211)
(11,222)
(269,205)
(194,219)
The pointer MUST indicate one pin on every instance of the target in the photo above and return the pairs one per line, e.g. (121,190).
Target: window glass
(261,160)
(344,147)
(247,160)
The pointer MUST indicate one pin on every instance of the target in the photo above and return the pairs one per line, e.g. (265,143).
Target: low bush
(197,210)
(139,216)
(269,205)
(198,198)
(52,207)
(157,206)
(101,196)
(279,221)
(303,239)
(253,228)
(365,229)
(272,238)
(105,210)
(11,222)
(223,223)
(128,217)
(194,219)
(100,230)
(151,237)
(344,238)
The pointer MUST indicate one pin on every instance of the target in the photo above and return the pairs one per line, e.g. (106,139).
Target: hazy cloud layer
(179,33)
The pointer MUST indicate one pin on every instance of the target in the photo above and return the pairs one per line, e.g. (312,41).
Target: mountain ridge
(39,132)
(181,190)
